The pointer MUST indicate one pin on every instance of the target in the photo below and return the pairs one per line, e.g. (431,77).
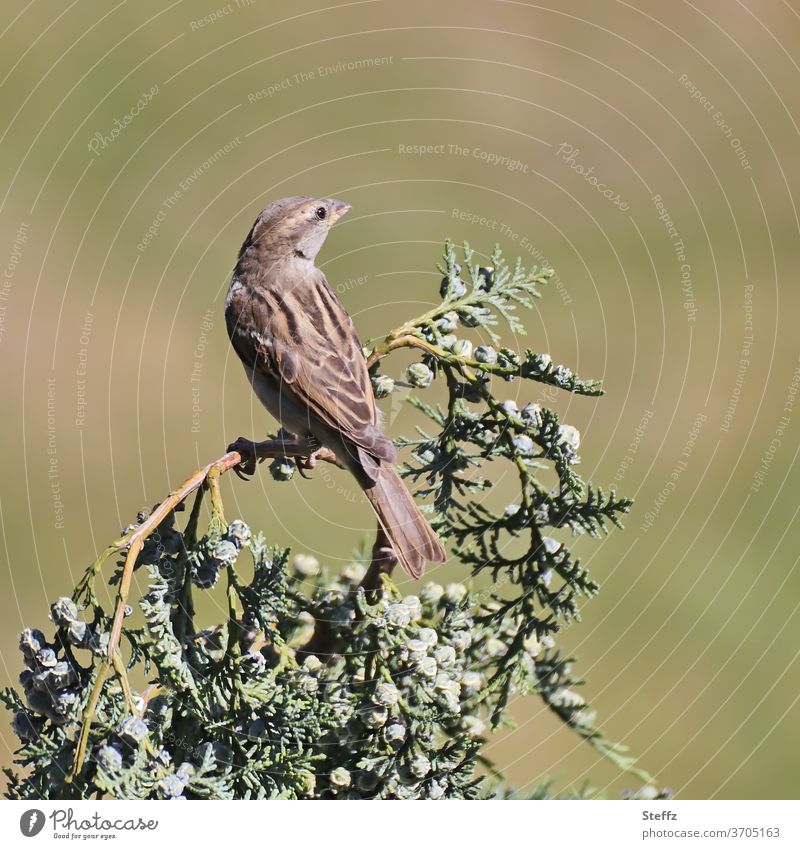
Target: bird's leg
(254,452)
(308,460)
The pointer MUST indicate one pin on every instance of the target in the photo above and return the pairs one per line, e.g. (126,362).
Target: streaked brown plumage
(303,358)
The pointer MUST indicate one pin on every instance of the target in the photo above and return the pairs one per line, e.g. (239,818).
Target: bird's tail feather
(412,538)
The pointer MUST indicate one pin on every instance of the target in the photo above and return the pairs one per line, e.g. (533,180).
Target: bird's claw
(247,449)
(308,462)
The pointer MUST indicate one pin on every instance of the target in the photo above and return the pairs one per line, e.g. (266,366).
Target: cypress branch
(321,684)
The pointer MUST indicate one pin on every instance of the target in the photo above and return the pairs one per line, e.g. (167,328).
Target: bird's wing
(306,339)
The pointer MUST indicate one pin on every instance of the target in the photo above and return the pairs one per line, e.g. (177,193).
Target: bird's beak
(340,208)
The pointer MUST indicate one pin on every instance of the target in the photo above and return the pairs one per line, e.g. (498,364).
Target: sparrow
(304,360)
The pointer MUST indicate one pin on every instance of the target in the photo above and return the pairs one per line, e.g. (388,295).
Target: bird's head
(296,226)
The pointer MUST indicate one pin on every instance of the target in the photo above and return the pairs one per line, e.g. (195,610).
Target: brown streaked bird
(304,360)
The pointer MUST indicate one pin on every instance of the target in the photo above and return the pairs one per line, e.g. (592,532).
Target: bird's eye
(321,212)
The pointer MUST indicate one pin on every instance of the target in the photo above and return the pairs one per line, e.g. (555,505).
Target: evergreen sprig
(409,688)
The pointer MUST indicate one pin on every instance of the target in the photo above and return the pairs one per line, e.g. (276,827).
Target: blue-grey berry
(97,641)
(205,572)
(353,573)
(46,658)
(172,786)
(31,641)
(133,730)
(406,789)
(27,727)
(386,694)
(343,614)
(428,667)
(339,778)
(448,323)
(562,373)
(426,455)
(447,700)
(55,678)
(313,665)
(445,656)
(282,469)
(373,716)
(159,710)
(420,766)
(225,552)
(395,734)
(452,288)
(382,385)
(571,435)
(523,444)
(455,593)
(398,615)
(431,593)
(532,415)
(486,354)
(472,391)
(38,701)
(461,641)
(65,703)
(109,758)
(415,650)
(541,362)
(186,771)
(63,612)
(463,348)
(419,375)
(436,789)
(256,662)
(471,683)
(414,606)
(239,533)
(306,565)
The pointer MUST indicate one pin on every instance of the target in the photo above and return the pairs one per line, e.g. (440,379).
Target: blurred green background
(651,158)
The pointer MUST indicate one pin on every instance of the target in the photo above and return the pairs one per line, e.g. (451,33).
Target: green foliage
(313,687)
